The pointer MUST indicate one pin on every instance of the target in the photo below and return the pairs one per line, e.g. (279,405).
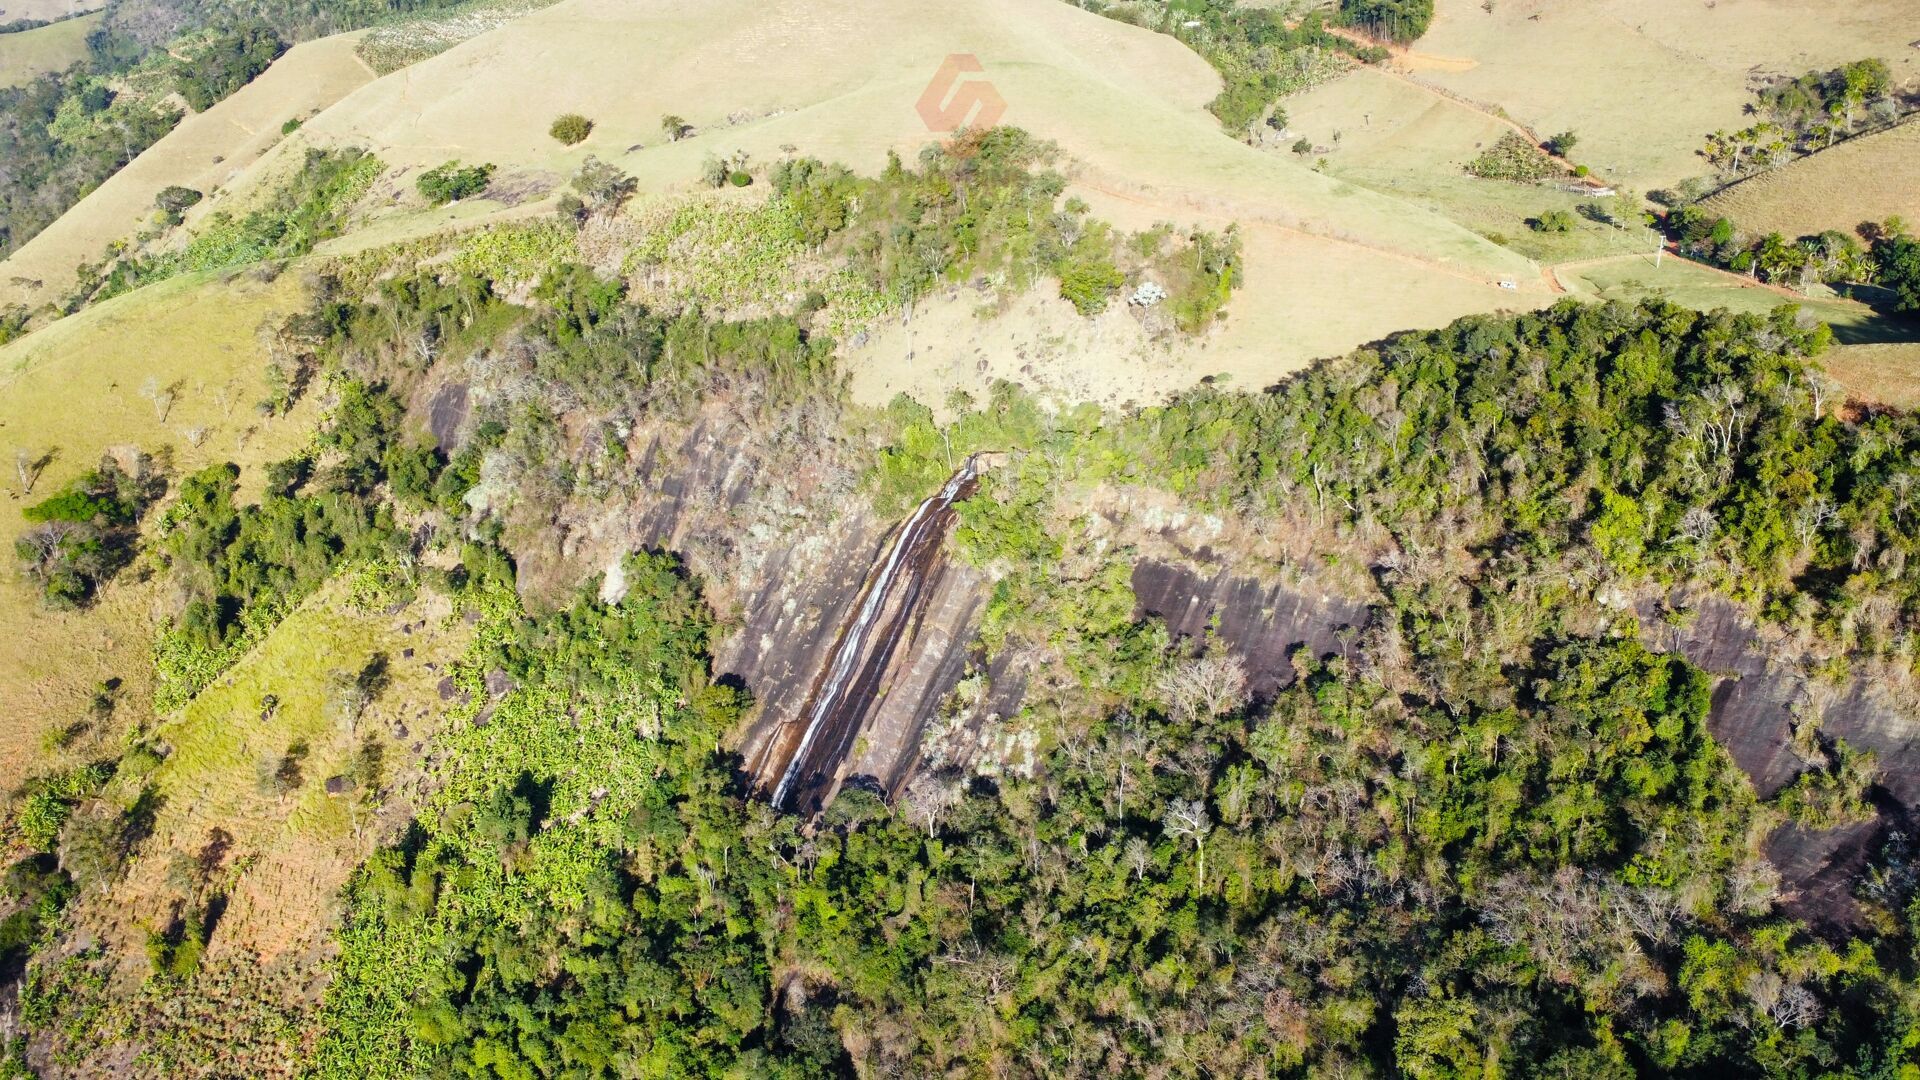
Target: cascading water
(850,671)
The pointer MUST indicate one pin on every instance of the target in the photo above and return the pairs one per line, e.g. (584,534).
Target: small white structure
(1148,294)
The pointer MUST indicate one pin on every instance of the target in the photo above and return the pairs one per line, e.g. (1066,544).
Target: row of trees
(1887,257)
(1808,114)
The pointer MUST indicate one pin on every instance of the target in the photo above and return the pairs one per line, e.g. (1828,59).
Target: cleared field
(74,390)
(1386,133)
(1370,118)
(206,151)
(1866,179)
(1642,81)
(28,54)
(1695,286)
(1883,374)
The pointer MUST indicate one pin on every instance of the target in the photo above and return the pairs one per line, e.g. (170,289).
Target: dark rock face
(798,600)
(895,646)
(1262,623)
(1753,713)
(447,414)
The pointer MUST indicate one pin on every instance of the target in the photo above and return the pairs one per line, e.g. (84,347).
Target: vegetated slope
(206,151)
(840,81)
(1643,81)
(1862,180)
(26,54)
(93,383)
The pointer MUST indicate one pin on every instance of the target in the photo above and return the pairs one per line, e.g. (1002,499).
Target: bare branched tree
(1187,819)
(1207,686)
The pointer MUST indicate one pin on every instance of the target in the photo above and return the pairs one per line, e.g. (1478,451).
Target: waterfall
(904,558)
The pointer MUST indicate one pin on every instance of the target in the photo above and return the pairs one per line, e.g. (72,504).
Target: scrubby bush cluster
(1552,221)
(986,207)
(452,182)
(1513,157)
(241,568)
(311,206)
(571,128)
(84,534)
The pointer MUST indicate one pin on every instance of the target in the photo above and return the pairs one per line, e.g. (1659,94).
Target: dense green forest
(1495,838)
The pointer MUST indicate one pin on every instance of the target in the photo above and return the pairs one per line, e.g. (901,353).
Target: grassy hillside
(1868,179)
(26,54)
(1643,81)
(92,383)
(1126,104)
(206,152)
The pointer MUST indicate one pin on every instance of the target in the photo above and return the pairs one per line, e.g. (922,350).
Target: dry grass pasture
(47,10)
(74,389)
(1866,179)
(1886,374)
(1643,81)
(207,151)
(28,54)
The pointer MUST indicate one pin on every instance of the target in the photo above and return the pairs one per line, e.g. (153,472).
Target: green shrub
(571,128)
(1088,280)
(452,182)
(41,818)
(1552,221)
(173,201)
(86,532)
(739,178)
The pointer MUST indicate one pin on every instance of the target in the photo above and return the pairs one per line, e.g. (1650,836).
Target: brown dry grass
(44,9)
(1861,180)
(1643,81)
(1881,374)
